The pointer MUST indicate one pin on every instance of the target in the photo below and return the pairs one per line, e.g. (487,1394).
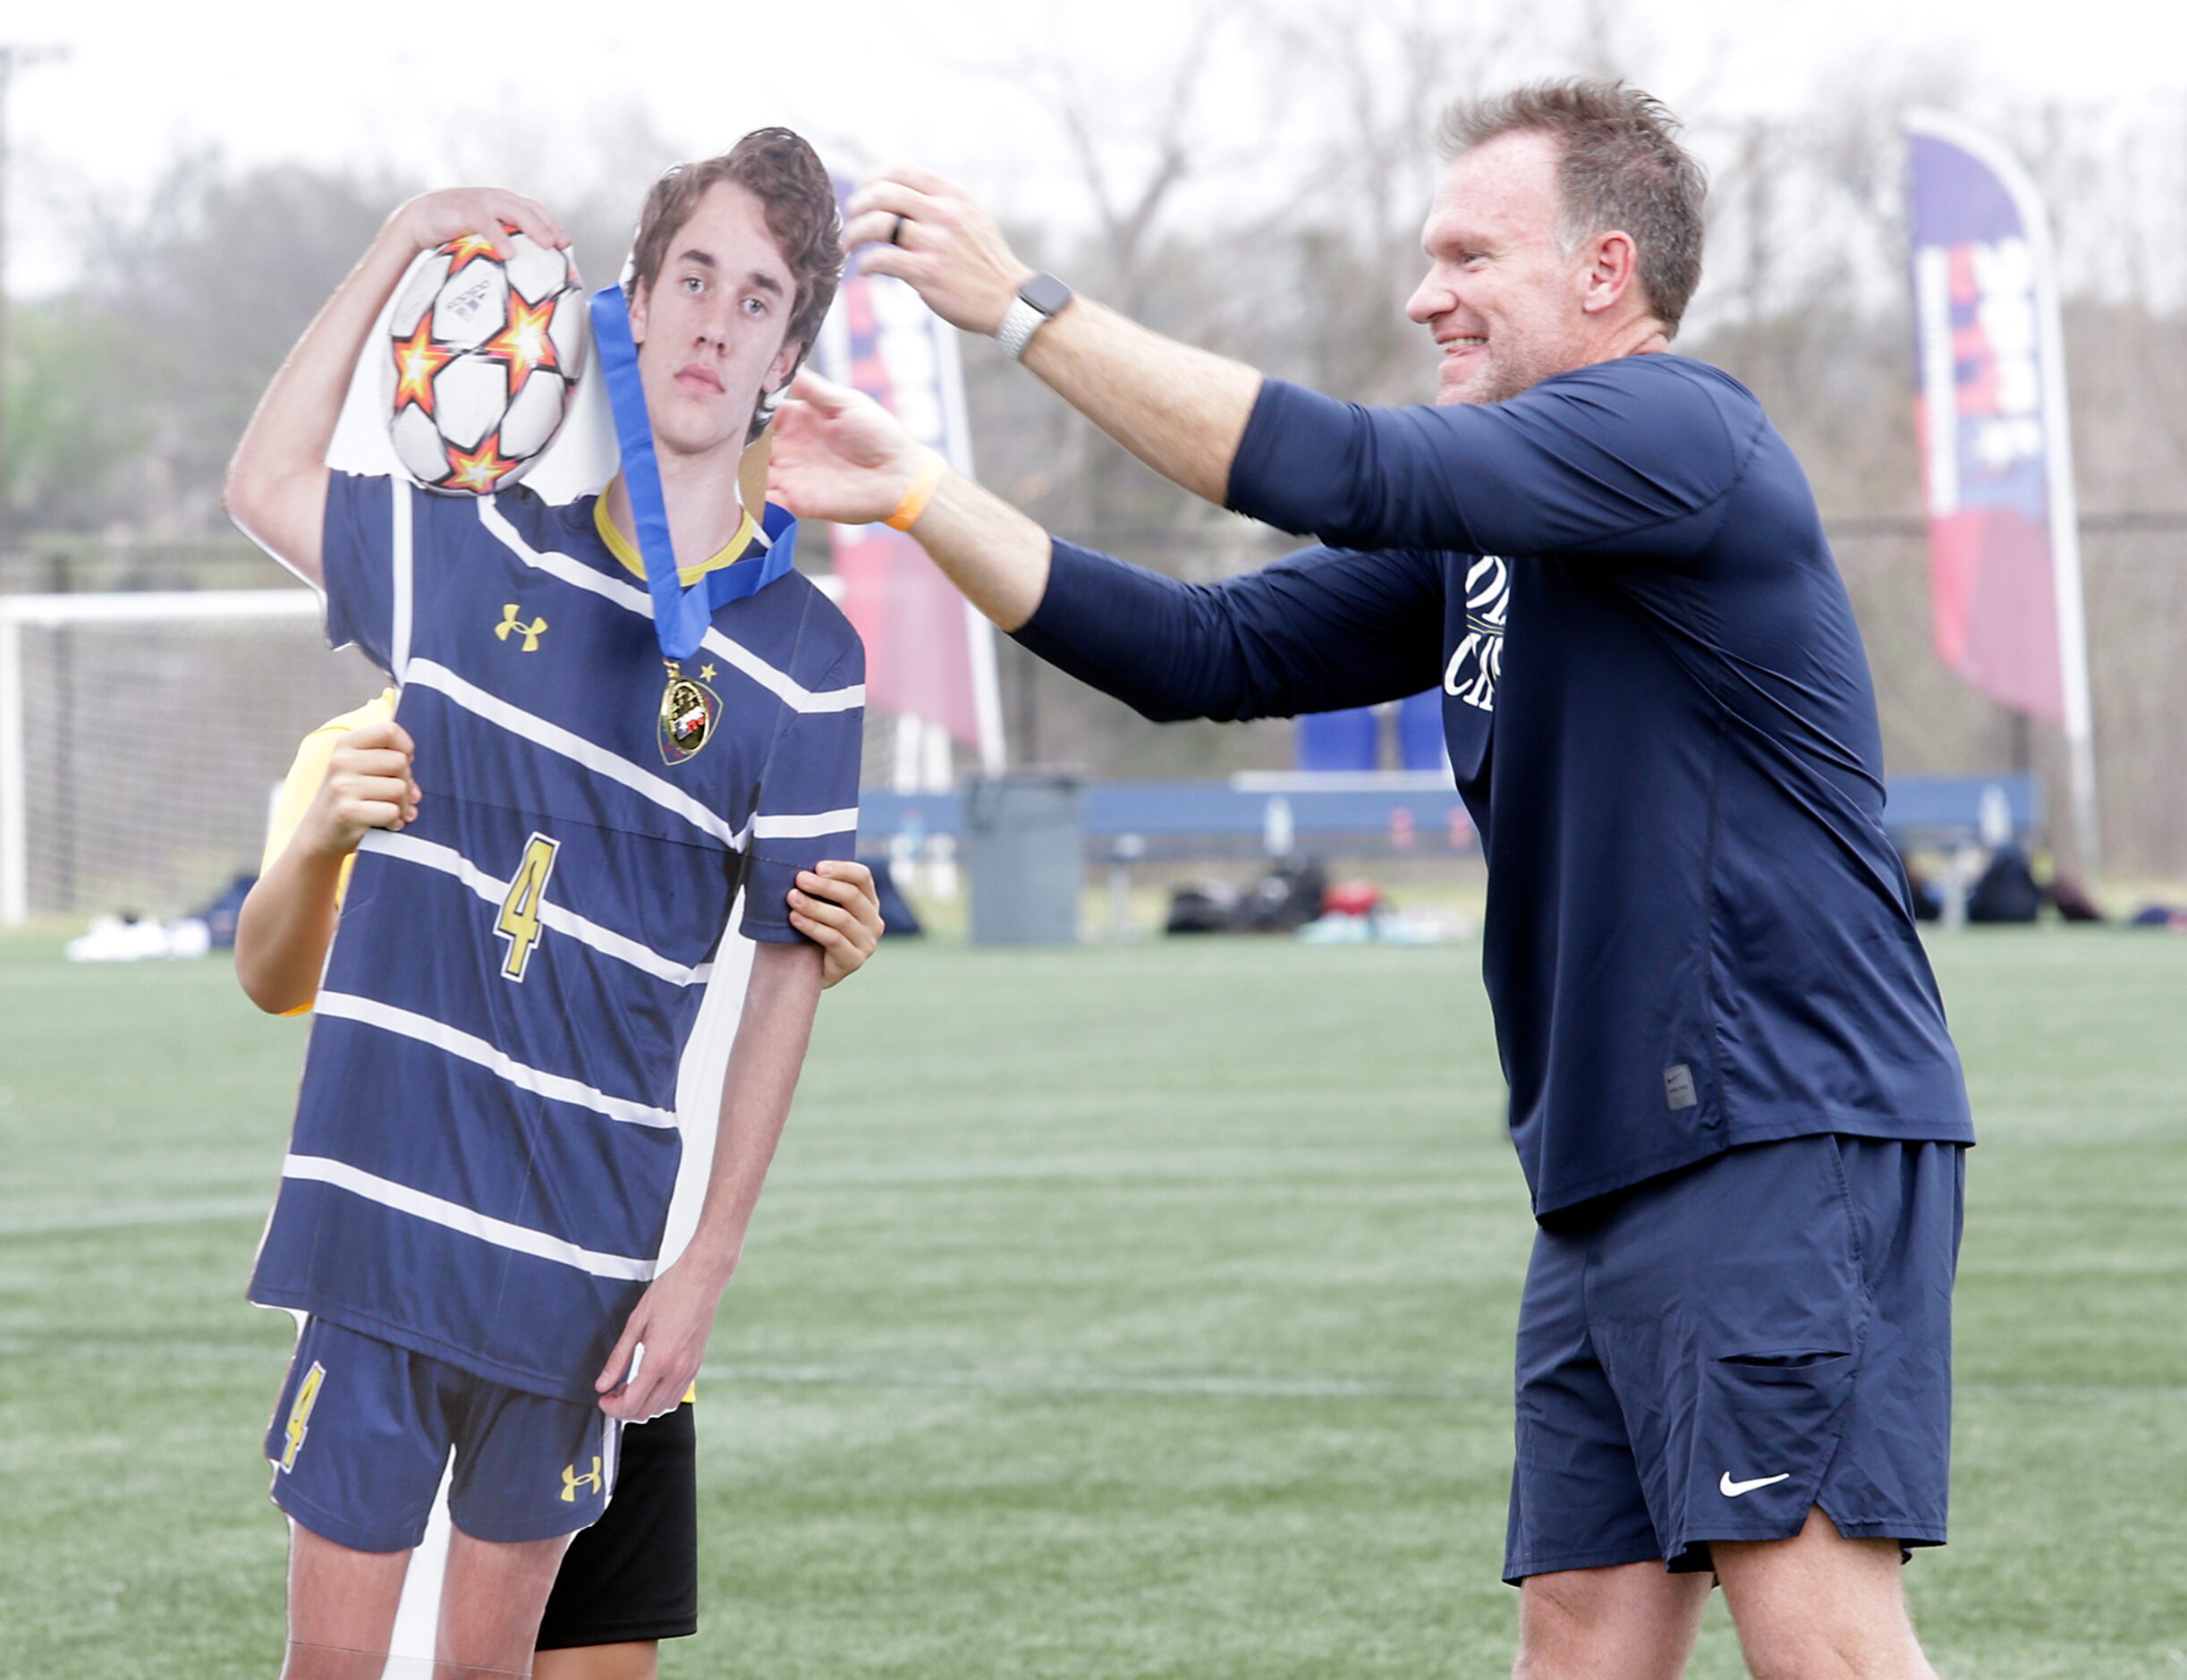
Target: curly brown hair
(785,175)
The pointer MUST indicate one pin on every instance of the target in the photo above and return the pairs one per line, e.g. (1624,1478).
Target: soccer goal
(140,735)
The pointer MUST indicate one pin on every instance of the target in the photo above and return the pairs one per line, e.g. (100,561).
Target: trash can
(1024,846)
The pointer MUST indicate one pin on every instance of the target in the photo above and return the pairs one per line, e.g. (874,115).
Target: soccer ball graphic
(484,359)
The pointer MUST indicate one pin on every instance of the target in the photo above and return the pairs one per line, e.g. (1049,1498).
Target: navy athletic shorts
(634,1573)
(1712,1352)
(363,1429)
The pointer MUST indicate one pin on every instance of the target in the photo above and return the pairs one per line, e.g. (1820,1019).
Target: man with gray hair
(1740,1115)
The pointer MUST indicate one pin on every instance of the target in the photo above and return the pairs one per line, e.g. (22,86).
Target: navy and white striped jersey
(486,1140)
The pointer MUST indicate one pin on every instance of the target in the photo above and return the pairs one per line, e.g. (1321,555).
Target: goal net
(141,737)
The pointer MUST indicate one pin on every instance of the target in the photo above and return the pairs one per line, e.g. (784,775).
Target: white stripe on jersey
(406,1023)
(554,738)
(398,636)
(817,827)
(561,566)
(795,695)
(448,861)
(455,1217)
(779,683)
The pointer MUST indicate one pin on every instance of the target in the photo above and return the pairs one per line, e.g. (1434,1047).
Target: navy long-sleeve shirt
(1660,718)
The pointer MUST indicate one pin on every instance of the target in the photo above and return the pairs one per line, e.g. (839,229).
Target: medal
(687,712)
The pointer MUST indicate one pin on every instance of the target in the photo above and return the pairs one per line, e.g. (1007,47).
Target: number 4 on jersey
(518,923)
(300,1413)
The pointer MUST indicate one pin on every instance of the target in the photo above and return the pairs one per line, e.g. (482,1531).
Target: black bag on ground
(2006,891)
(1204,907)
(1283,900)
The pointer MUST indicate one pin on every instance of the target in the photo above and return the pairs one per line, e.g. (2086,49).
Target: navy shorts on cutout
(1714,1352)
(364,1428)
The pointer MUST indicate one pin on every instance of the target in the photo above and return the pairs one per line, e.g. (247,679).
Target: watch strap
(1020,321)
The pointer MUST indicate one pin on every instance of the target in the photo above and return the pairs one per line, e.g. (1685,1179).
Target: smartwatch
(1039,301)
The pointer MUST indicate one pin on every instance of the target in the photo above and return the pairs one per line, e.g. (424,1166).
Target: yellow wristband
(921,492)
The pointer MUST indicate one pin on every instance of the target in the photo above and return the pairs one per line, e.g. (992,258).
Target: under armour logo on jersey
(572,1481)
(1478,661)
(531,632)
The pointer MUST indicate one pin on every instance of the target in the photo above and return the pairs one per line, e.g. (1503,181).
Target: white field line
(1338,1169)
(1075,1379)
(1013,1379)
(121,1215)
(1060,1380)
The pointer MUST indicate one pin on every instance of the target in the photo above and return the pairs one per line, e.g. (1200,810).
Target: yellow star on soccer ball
(417,359)
(463,247)
(706,673)
(480,470)
(523,344)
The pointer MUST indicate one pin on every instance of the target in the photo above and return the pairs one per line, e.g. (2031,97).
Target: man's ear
(639,299)
(1612,274)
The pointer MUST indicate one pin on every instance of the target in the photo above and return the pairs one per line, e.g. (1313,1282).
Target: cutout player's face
(1501,296)
(712,329)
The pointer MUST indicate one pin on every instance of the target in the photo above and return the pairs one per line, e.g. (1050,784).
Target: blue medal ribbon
(680,615)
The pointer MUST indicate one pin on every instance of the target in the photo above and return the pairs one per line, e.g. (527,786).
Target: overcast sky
(386,83)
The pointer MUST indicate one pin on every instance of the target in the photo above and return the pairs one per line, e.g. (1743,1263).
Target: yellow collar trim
(746,540)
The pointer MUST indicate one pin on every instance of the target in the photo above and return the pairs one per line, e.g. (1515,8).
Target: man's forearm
(771,1033)
(995,556)
(1180,411)
(276,477)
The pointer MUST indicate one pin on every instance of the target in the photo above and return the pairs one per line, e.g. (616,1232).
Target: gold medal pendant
(688,709)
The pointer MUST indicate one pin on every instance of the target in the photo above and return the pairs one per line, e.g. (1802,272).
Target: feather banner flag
(1996,456)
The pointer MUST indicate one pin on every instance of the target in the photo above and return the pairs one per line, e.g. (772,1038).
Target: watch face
(1045,292)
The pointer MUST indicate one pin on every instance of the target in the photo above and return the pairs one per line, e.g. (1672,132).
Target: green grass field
(1128,1310)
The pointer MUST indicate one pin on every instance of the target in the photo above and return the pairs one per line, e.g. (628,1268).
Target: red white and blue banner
(1996,458)
(929,655)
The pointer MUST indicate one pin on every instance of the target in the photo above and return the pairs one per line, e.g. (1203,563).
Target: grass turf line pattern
(1115,1311)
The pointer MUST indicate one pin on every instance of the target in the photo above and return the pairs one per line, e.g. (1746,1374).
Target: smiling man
(476,1192)
(1739,1113)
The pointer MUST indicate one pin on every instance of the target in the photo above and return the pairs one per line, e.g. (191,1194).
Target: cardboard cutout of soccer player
(628,1581)
(476,1205)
